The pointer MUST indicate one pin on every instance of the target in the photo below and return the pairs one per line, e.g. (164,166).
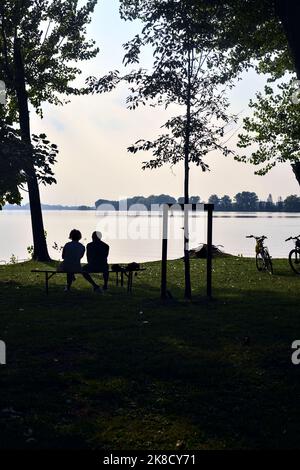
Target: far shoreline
(135,212)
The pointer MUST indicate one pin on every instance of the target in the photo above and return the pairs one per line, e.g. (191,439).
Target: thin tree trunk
(288,12)
(40,252)
(187,271)
(296,170)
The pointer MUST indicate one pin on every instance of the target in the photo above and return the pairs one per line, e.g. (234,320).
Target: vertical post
(47,283)
(209,252)
(187,269)
(129,283)
(163,291)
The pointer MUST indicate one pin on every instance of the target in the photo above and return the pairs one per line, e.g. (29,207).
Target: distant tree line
(49,207)
(249,201)
(144,201)
(243,201)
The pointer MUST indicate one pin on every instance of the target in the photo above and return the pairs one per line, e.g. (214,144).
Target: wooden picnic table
(123,272)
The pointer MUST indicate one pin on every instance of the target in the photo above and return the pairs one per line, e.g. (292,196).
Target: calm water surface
(138,238)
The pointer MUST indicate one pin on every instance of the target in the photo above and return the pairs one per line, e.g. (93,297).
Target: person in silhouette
(97,254)
(72,254)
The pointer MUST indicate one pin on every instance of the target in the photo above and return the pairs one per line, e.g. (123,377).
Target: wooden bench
(123,272)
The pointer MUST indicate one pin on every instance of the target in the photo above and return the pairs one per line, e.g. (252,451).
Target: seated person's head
(75,235)
(96,236)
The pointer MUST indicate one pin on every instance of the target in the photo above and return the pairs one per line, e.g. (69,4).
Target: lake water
(138,238)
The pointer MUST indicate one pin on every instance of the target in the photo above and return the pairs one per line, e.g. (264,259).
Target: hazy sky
(93,133)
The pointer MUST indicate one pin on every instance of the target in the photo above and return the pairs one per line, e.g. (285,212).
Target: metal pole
(164,257)
(47,283)
(209,252)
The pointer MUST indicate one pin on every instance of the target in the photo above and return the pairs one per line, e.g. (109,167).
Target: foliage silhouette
(274,128)
(188,72)
(39,43)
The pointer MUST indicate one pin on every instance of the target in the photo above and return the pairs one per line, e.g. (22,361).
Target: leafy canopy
(249,31)
(14,159)
(186,72)
(273,128)
(52,35)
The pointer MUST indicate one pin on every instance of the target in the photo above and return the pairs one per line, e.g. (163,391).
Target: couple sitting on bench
(97,253)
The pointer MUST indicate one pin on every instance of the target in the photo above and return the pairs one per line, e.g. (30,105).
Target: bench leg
(129,283)
(47,283)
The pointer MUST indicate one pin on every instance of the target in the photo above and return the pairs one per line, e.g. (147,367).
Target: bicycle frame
(294,255)
(263,258)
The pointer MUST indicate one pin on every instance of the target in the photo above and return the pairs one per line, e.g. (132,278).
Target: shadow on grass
(129,371)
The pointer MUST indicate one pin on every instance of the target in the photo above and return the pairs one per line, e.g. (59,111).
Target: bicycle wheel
(260,264)
(268,262)
(294,260)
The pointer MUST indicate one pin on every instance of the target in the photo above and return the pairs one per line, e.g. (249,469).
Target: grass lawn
(123,371)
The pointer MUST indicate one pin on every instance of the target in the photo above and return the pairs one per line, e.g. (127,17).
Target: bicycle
(263,258)
(294,255)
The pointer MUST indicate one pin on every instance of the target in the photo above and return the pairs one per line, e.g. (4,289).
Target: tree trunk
(296,170)
(40,252)
(187,271)
(288,12)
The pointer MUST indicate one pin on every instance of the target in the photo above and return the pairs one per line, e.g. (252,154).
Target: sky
(93,133)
